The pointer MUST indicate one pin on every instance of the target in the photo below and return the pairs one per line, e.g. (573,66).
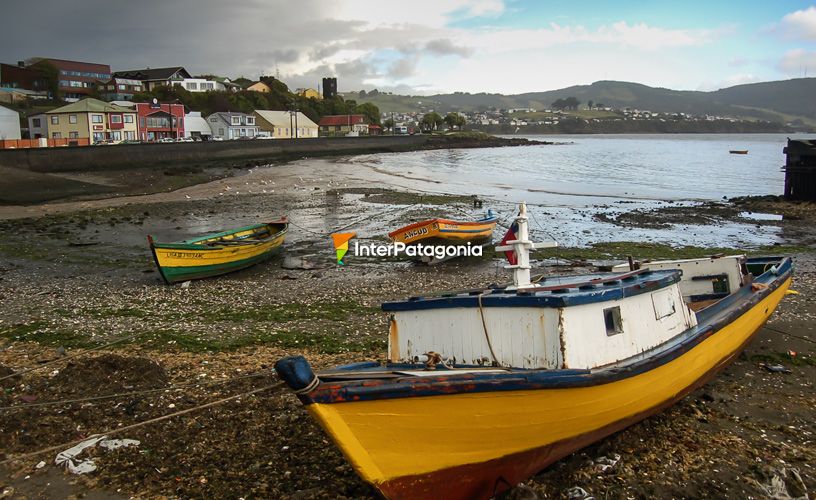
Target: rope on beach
(175,387)
(783,332)
(353,223)
(120,430)
(81,352)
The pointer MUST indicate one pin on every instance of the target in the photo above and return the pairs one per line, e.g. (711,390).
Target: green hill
(780,101)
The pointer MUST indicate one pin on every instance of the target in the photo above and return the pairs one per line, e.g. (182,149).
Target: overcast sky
(428,46)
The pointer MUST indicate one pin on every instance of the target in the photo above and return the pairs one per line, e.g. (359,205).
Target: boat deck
(556,291)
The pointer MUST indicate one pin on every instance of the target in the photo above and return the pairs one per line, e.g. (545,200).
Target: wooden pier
(800,169)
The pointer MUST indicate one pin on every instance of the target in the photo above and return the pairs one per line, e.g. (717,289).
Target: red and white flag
(511,235)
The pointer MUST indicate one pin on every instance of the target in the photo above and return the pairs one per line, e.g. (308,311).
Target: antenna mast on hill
(277,71)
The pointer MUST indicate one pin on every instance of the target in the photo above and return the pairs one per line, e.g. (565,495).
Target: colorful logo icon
(341,245)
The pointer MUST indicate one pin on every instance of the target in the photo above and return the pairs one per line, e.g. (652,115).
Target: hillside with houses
(46,102)
(55,102)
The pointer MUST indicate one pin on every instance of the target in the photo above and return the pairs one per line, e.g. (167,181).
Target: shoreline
(57,174)
(77,275)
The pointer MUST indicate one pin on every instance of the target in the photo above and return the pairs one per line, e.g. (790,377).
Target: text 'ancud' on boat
(219,253)
(484,388)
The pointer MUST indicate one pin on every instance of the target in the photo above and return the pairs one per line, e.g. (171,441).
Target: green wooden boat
(218,253)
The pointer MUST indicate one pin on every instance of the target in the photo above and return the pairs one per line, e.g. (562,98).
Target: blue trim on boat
(570,294)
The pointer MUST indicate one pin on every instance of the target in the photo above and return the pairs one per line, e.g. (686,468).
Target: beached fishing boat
(739,151)
(446,232)
(486,387)
(218,253)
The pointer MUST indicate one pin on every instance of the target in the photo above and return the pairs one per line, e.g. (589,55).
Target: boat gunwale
(195,244)
(536,297)
(714,318)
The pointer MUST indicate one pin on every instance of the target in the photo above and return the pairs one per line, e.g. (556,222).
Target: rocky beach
(76,274)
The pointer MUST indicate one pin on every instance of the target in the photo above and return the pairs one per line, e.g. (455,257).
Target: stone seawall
(96,158)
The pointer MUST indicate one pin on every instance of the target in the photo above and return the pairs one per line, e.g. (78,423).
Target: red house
(343,125)
(159,121)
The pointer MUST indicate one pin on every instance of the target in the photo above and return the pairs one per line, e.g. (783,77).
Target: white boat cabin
(708,278)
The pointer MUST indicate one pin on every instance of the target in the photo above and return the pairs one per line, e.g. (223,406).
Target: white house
(201,85)
(196,126)
(232,125)
(38,126)
(9,124)
(285,124)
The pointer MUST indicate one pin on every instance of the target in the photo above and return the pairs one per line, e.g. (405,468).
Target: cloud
(403,68)
(800,25)
(444,47)
(796,62)
(362,42)
(730,81)
(634,36)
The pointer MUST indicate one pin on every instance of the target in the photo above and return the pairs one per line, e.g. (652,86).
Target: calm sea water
(567,184)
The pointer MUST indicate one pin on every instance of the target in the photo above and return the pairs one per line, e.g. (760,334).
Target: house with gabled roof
(285,124)
(232,125)
(155,77)
(342,125)
(92,119)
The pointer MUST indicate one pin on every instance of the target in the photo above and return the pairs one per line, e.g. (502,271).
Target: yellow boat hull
(472,445)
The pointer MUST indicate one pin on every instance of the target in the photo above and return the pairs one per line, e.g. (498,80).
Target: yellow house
(92,119)
(259,87)
(285,124)
(309,93)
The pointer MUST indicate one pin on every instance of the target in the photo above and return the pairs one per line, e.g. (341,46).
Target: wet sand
(78,274)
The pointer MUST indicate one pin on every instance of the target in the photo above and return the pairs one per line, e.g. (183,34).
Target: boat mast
(521,246)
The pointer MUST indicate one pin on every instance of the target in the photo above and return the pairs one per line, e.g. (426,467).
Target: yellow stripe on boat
(395,438)
(170,257)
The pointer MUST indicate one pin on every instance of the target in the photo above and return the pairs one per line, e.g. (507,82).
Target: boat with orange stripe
(447,232)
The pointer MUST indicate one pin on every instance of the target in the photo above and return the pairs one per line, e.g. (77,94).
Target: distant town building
(10,96)
(285,124)
(152,78)
(308,93)
(38,126)
(232,125)
(260,87)
(76,79)
(196,126)
(329,88)
(119,89)
(93,119)
(9,124)
(20,77)
(160,121)
(341,125)
(201,85)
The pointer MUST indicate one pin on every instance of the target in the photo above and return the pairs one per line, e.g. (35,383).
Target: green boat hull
(180,274)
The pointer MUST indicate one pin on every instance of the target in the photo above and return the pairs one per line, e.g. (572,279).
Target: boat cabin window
(612,319)
(720,284)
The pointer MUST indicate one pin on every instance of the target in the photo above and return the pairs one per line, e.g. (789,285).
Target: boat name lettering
(416,232)
(185,255)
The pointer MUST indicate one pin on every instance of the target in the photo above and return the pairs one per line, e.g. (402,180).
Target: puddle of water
(759,216)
